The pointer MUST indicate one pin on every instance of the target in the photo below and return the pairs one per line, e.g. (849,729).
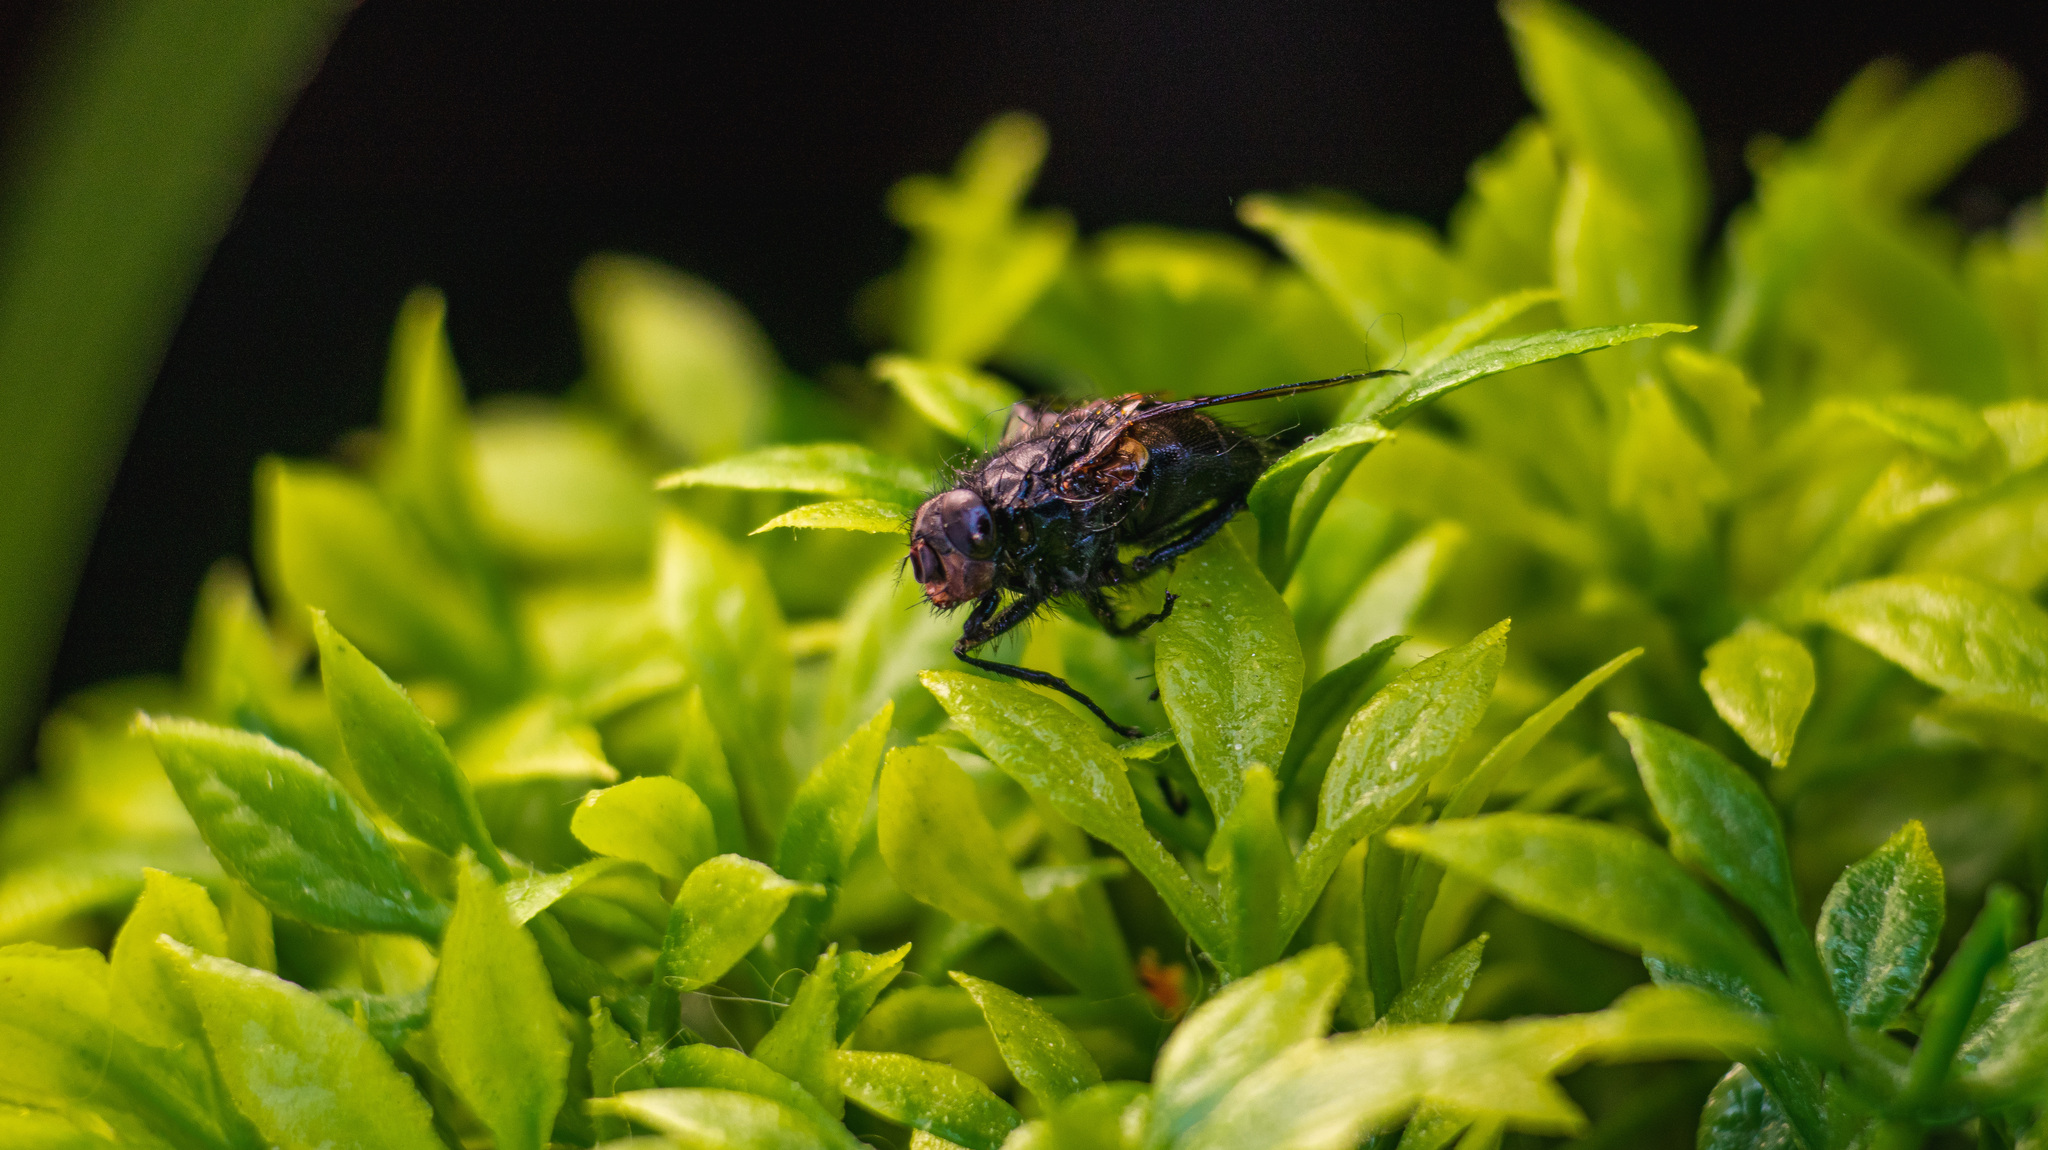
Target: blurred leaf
(700,1066)
(716,604)
(298,1068)
(1229,669)
(1879,926)
(885,640)
(287,829)
(1501,229)
(1056,755)
(1918,143)
(494,1026)
(1979,643)
(1372,267)
(1935,424)
(560,490)
(676,354)
(1331,698)
(1721,822)
(1392,748)
(133,142)
(976,261)
(656,821)
(1664,475)
(1604,881)
(927,1096)
(2004,1037)
(396,753)
(801,1043)
(1741,1115)
(1761,681)
(1949,1003)
(526,897)
(842,470)
(427,468)
(1044,1055)
(1388,601)
(869,515)
(968,405)
(700,763)
(1241,1029)
(823,830)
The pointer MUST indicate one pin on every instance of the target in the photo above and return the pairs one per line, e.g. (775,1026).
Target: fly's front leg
(981,629)
(1105,613)
(1204,526)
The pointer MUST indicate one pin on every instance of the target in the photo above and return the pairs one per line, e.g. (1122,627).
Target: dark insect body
(1046,513)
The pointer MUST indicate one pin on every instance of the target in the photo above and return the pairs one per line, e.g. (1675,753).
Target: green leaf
(1920,142)
(2003,1040)
(1436,995)
(1057,756)
(969,405)
(1741,1115)
(870,515)
(285,828)
(675,354)
(928,1096)
(301,1071)
(427,467)
(1229,669)
(1943,427)
(397,754)
(1501,355)
(935,839)
(800,1044)
(701,1066)
(561,490)
(824,828)
(1949,1003)
(1722,823)
(1456,335)
(1247,1024)
(144,992)
(655,820)
(1507,754)
(494,1024)
(1979,643)
(1664,475)
(862,978)
(1879,926)
(1761,681)
(715,602)
(1606,882)
(1502,228)
(700,763)
(1254,865)
(976,262)
(839,470)
(1393,747)
(1330,698)
(725,906)
(716,1118)
(1044,1055)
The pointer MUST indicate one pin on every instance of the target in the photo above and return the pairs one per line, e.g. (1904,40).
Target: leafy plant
(576,837)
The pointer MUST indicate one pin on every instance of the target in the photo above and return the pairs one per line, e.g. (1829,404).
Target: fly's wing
(1030,419)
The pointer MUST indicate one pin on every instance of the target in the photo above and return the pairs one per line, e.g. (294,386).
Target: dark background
(488,148)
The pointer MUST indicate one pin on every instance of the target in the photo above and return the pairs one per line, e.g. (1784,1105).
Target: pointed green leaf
(800,1044)
(1979,643)
(1393,747)
(2004,1038)
(1229,669)
(1437,994)
(397,754)
(301,1071)
(428,467)
(1947,1007)
(928,1096)
(701,1066)
(283,826)
(146,996)
(837,470)
(725,906)
(1254,865)
(1761,681)
(1879,926)
(1233,1034)
(655,821)
(700,763)
(862,978)
(874,516)
(494,1022)
(1057,755)
(1722,822)
(1505,355)
(1042,1053)
(717,1118)
(527,897)
(824,827)
(1604,881)
(1329,699)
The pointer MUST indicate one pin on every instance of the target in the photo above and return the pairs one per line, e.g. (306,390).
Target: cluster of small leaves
(525,816)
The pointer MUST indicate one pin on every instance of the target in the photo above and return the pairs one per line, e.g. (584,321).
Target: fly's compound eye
(924,565)
(981,532)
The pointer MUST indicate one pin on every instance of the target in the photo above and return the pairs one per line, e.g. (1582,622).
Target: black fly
(1045,514)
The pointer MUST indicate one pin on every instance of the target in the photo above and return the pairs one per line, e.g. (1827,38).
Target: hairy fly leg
(984,625)
(1105,613)
(1201,529)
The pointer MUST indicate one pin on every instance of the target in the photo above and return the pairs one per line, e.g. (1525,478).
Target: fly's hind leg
(1105,613)
(1200,530)
(984,626)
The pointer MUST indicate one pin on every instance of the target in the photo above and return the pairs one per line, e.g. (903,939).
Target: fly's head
(953,548)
